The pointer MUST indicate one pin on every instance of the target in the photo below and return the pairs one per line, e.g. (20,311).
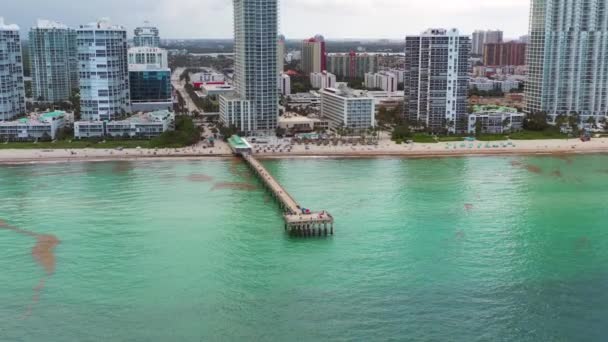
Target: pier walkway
(297,221)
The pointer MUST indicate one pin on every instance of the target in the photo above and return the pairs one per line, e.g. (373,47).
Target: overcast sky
(299,18)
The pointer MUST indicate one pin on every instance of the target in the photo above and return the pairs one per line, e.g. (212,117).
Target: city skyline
(385,19)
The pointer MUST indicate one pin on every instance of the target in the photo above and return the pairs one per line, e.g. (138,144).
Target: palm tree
(506,123)
(591,121)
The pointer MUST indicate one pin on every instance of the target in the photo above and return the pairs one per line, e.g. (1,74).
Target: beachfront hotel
(103,71)
(436,79)
(138,126)
(53,61)
(12,88)
(567,57)
(255,47)
(347,108)
(33,127)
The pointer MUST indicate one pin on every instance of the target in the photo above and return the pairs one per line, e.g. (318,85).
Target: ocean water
(459,249)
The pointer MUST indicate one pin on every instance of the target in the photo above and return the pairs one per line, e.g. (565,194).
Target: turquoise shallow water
(467,249)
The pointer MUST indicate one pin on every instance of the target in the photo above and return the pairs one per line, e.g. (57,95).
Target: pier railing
(298,221)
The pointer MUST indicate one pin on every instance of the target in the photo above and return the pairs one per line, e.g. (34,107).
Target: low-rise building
(385,99)
(207,75)
(141,125)
(348,109)
(34,126)
(216,88)
(386,81)
(293,123)
(322,80)
(236,112)
(310,100)
(495,120)
(486,84)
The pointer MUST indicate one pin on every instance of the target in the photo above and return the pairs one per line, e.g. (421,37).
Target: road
(179,87)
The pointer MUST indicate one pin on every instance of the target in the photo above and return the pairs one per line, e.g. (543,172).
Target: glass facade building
(12,87)
(567,56)
(53,61)
(150,86)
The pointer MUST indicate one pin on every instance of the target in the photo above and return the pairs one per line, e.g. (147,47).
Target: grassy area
(429,139)
(537,135)
(76,144)
(492,137)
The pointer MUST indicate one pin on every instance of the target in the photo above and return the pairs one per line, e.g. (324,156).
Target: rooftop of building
(311,94)
(141,117)
(493,108)
(232,96)
(238,142)
(348,93)
(49,24)
(147,67)
(217,86)
(36,118)
(150,117)
(7,27)
(102,24)
(290,117)
(146,49)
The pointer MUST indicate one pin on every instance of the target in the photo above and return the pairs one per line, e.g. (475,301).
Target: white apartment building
(567,57)
(148,57)
(486,84)
(495,120)
(285,84)
(53,61)
(345,108)
(436,79)
(103,71)
(12,87)
(322,80)
(235,111)
(146,35)
(255,72)
(386,81)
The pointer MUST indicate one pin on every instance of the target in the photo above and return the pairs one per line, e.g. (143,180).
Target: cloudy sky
(299,18)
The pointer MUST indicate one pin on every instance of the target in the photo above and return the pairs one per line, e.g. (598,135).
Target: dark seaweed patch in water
(582,243)
(534,169)
(44,254)
(122,167)
(566,158)
(234,186)
(557,173)
(198,177)
(235,169)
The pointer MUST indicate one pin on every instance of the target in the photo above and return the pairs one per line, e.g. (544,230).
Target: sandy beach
(281,150)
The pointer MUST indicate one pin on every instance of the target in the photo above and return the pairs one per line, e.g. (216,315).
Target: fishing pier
(298,220)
